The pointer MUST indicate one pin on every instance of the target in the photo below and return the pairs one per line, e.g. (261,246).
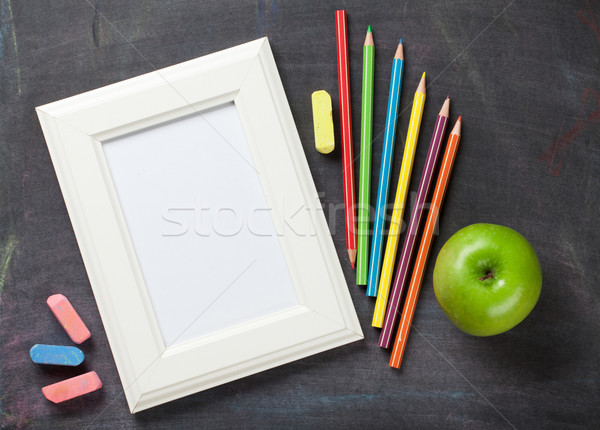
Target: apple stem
(488,275)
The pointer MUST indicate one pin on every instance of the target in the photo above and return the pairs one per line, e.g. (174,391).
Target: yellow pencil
(392,241)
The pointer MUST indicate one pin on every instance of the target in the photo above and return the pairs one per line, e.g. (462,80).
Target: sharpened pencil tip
(457,127)
(400,43)
(421,87)
(369,29)
(369,38)
(399,55)
(352,257)
(445,111)
(447,96)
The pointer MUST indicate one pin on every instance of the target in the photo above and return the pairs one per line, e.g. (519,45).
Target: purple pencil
(413,226)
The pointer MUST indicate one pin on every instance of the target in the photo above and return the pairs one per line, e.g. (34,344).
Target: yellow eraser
(321,103)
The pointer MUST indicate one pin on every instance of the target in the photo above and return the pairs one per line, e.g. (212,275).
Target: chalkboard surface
(525,76)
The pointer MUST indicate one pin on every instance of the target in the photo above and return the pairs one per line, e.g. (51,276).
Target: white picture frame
(152,372)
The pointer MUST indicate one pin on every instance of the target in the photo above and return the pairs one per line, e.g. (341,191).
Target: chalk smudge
(346,399)
(96,28)
(7,27)
(7,252)
(568,73)
(16,47)
(568,253)
(6,257)
(555,153)
(265,13)
(405,393)
(15,410)
(7,419)
(472,71)
(590,18)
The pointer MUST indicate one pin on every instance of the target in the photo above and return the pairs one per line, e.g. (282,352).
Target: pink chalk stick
(68,318)
(73,387)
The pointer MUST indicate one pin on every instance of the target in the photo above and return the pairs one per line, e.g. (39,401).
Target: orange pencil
(421,262)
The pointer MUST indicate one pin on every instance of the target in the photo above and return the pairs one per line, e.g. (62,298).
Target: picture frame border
(150,372)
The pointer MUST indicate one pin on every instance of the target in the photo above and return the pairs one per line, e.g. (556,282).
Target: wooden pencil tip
(369,29)
(400,43)
(369,38)
(399,55)
(445,111)
(457,126)
(352,257)
(421,87)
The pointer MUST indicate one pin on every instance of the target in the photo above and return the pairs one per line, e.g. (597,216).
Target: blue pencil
(386,167)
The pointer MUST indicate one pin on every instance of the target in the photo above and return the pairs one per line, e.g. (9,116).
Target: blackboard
(525,78)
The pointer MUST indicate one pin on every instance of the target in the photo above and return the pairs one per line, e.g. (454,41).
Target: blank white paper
(200,224)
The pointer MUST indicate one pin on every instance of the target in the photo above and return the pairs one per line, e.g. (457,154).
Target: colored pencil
(386,167)
(423,254)
(364,191)
(413,226)
(392,243)
(412,137)
(346,120)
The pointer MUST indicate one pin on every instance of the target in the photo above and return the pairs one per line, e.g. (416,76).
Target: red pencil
(346,119)
(421,263)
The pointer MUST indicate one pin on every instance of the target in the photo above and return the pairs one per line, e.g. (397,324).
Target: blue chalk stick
(56,354)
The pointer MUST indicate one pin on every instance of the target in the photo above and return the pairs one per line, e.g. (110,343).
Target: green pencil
(366,134)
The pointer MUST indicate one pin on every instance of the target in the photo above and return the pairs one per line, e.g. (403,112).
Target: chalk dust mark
(473,71)
(5,257)
(555,153)
(7,419)
(9,26)
(265,13)
(575,278)
(590,18)
(17,417)
(96,29)
(15,46)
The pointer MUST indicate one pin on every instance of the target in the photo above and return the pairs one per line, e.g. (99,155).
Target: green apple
(487,279)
